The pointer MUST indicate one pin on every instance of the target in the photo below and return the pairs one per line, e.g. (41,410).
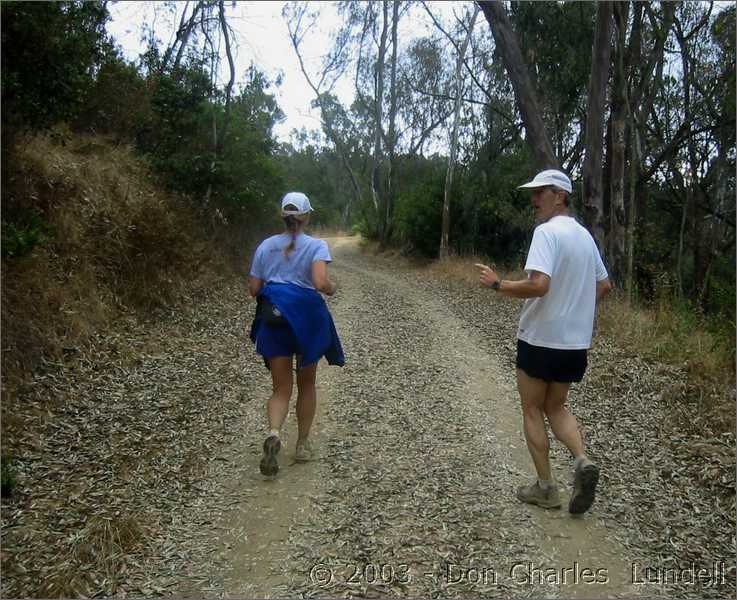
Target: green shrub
(118,102)
(19,239)
(418,216)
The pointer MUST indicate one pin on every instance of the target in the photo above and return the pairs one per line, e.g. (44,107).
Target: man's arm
(603,287)
(536,286)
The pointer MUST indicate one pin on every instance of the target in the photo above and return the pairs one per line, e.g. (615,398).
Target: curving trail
(420,453)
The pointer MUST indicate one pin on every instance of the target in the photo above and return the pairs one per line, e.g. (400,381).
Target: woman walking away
(292,320)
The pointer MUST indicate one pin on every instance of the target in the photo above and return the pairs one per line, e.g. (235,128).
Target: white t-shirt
(564,317)
(270,265)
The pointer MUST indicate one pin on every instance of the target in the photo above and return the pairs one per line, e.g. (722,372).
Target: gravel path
(153,463)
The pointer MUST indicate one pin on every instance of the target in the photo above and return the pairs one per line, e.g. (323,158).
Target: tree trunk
(629,283)
(182,35)
(593,201)
(524,92)
(654,62)
(231,81)
(185,30)
(619,122)
(378,116)
(700,253)
(641,96)
(634,52)
(681,238)
(454,140)
(206,13)
(392,136)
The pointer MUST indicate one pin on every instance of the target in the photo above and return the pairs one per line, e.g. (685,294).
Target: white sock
(578,460)
(545,484)
(274,432)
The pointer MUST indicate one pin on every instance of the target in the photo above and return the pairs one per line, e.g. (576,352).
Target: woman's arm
(254,285)
(320,278)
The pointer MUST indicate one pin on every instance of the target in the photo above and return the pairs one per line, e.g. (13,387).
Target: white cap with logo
(297,199)
(551,177)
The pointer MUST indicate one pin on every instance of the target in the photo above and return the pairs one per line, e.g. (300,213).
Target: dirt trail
(138,462)
(474,428)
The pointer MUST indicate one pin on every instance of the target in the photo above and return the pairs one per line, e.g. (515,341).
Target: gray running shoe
(534,494)
(584,487)
(304,452)
(269,465)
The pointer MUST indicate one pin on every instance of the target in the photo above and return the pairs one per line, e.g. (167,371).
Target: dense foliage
(50,55)
(75,75)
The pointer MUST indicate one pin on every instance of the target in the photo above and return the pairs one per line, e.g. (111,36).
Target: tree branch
(457,49)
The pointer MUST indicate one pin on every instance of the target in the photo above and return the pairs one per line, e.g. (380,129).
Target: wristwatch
(496,285)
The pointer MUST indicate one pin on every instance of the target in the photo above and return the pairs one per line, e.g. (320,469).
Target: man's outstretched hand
(487,275)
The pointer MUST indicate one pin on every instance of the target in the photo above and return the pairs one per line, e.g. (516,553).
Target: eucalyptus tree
(556,41)
(638,51)
(461,53)
(377,61)
(526,96)
(593,195)
(482,106)
(424,85)
(667,119)
(547,50)
(705,156)
(371,35)
(208,19)
(383,206)
(187,24)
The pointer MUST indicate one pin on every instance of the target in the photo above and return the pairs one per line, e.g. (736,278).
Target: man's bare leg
(532,392)
(562,421)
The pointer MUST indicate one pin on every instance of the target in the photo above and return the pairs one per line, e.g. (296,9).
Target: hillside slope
(87,234)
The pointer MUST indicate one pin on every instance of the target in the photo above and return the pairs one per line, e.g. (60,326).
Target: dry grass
(463,269)
(664,334)
(327,232)
(97,559)
(116,243)
(668,335)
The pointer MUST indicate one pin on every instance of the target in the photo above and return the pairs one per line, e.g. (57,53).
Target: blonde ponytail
(293,224)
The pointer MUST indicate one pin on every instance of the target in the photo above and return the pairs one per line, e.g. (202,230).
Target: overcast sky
(262,38)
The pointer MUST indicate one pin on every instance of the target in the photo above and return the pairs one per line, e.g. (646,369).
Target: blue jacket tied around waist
(308,315)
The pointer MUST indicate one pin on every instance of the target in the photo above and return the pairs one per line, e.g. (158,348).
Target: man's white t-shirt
(564,317)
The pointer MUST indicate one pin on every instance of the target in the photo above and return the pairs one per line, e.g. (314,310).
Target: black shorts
(551,364)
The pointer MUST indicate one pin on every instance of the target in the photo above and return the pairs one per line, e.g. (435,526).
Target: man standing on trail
(292,320)
(565,280)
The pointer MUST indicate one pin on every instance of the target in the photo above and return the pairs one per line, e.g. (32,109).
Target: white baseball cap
(297,199)
(550,177)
